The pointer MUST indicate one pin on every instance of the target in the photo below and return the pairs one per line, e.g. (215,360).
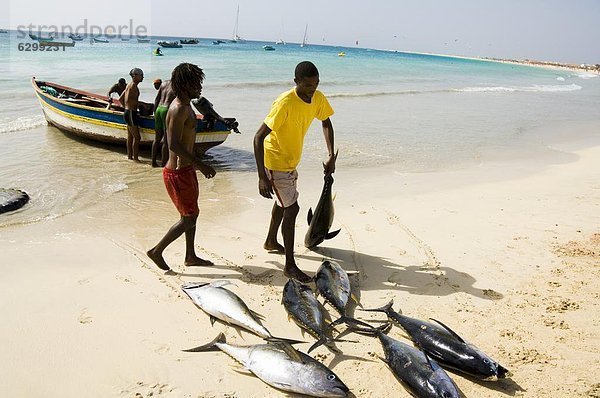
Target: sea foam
(22,123)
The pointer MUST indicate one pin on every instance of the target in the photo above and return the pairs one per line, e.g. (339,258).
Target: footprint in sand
(145,390)
(84,318)
(494,295)
(125,279)
(83,281)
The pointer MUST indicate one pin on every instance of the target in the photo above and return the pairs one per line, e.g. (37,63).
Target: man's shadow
(378,273)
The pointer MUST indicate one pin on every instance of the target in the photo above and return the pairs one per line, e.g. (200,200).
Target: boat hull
(108,126)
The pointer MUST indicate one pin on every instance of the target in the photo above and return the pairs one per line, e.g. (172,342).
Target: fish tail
(386,308)
(322,340)
(351,322)
(274,339)
(210,346)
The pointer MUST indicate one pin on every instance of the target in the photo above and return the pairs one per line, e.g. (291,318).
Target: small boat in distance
(268,48)
(75,37)
(280,41)
(99,40)
(56,43)
(36,37)
(236,37)
(304,39)
(217,42)
(341,54)
(84,114)
(189,41)
(143,40)
(169,44)
(3,31)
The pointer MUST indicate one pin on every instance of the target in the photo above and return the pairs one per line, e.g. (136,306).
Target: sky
(551,30)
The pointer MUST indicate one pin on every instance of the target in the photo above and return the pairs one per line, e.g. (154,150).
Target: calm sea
(420,113)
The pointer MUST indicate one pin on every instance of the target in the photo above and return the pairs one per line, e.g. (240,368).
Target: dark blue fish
(322,219)
(420,375)
(446,347)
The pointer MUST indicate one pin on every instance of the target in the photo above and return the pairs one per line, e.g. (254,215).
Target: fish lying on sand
(281,366)
(303,307)
(421,376)
(220,303)
(333,284)
(320,222)
(446,347)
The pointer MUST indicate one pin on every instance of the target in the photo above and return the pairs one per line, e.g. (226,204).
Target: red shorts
(182,186)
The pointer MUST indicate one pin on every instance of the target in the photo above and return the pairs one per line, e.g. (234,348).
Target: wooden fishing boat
(84,114)
(189,41)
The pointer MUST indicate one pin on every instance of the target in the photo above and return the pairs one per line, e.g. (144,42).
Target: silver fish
(281,366)
(421,376)
(333,284)
(220,303)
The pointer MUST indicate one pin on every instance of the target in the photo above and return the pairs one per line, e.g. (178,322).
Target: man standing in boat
(163,99)
(130,100)
(179,174)
(278,148)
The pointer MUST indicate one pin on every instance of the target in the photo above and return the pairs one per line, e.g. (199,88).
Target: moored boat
(189,41)
(268,48)
(143,40)
(169,44)
(100,40)
(84,114)
(36,37)
(56,43)
(75,37)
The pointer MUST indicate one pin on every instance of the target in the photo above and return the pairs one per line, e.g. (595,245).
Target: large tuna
(446,347)
(281,366)
(220,303)
(322,219)
(421,376)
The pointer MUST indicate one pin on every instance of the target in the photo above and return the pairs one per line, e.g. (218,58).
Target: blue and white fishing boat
(85,115)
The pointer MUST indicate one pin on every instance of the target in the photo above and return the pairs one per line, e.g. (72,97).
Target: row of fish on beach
(419,367)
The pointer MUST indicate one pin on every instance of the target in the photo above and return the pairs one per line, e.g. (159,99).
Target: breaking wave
(530,89)
(22,123)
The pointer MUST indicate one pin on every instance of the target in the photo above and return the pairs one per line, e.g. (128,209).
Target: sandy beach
(506,253)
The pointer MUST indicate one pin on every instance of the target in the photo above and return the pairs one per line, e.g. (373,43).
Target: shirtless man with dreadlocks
(179,174)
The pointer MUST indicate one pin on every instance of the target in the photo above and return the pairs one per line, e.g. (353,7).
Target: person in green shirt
(278,147)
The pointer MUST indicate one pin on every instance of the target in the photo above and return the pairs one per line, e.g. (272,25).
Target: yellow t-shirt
(289,120)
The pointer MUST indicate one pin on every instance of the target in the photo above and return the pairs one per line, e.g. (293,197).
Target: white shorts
(284,186)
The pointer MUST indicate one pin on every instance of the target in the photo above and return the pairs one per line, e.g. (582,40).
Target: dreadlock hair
(185,75)
(305,69)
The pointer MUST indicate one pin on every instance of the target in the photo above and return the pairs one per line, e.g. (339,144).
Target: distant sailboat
(304,39)
(236,37)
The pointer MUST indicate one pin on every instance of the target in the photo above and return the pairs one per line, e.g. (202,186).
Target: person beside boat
(116,88)
(179,174)
(164,97)
(130,100)
(278,149)
(157,83)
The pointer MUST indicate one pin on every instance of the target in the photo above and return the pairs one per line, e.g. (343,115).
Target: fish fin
(221,283)
(257,315)
(352,322)
(289,350)
(333,234)
(241,369)
(452,332)
(383,359)
(193,285)
(303,332)
(356,300)
(431,363)
(210,346)
(289,317)
(212,320)
(309,216)
(334,196)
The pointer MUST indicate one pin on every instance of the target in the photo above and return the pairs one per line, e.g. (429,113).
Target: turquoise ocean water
(420,113)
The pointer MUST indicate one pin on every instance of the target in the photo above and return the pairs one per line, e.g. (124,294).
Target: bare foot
(275,247)
(293,272)
(198,262)
(158,260)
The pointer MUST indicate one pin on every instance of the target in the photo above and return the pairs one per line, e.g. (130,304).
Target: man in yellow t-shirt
(278,149)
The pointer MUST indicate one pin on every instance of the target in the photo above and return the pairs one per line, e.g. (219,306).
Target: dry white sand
(507,254)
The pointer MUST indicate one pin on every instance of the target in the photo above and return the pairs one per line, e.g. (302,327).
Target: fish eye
(331,377)
(486,361)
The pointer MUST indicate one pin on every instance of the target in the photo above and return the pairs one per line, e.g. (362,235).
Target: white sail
(304,39)
(236,36)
